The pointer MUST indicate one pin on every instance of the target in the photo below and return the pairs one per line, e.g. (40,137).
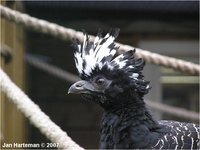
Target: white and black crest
(99,56)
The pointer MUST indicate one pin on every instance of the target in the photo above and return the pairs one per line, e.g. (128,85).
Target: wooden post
(13,126)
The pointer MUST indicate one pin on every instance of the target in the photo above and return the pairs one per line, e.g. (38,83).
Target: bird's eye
(100,81)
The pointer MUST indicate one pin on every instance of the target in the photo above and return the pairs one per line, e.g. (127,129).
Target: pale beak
(80,87)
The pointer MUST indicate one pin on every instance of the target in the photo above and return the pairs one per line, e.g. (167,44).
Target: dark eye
(100,81)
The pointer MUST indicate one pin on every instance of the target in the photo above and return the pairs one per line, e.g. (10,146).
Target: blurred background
(169,27)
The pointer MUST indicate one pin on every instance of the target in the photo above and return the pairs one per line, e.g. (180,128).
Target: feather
(89,55)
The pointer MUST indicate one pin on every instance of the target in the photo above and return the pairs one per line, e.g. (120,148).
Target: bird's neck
(133,110)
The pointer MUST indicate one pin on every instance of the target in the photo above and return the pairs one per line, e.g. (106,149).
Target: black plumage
(116,83)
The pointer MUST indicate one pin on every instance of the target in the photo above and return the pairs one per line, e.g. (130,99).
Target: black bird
(116,83)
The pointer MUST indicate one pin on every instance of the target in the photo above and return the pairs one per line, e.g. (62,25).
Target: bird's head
(107,79)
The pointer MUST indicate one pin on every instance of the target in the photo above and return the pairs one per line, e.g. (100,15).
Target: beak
(81,87)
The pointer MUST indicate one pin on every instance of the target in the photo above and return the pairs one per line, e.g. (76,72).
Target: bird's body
(117,85)
(138,130)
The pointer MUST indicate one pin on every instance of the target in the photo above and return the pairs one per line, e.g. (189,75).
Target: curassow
(118,86)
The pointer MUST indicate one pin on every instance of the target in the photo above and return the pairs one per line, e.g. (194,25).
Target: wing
(178,135)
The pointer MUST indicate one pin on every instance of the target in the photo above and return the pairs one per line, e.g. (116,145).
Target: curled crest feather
(89,55)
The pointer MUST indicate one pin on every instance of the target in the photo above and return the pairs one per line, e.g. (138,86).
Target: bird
(116,83)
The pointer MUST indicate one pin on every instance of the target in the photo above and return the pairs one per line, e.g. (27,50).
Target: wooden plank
(13,125)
